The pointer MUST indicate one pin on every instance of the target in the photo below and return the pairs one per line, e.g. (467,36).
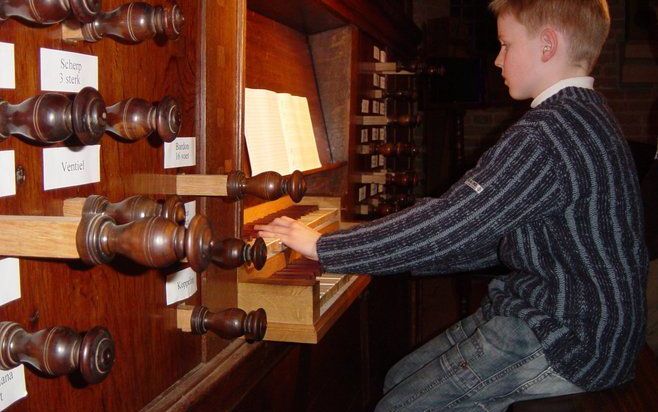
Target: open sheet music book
(279,132)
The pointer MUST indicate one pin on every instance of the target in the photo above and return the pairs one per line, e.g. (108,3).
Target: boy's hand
(293,234)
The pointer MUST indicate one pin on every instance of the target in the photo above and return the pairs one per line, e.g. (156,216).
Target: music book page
(279,132)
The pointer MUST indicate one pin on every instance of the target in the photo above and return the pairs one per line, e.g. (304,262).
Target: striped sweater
(556,200)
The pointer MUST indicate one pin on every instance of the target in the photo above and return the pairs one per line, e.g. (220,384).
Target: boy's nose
(499,61)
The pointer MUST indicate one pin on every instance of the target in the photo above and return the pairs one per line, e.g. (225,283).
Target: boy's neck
(586,82)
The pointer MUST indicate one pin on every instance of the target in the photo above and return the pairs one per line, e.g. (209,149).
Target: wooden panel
(127,299)
(278,59)
(221,95)
(381,21)
(302,15)
(323,377)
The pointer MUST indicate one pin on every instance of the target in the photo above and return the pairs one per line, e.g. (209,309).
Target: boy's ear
(549,43)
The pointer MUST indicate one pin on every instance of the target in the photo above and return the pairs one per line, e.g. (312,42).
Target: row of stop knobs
(132,22)
(54,117)
(150,233)
(61,351)
(137,221)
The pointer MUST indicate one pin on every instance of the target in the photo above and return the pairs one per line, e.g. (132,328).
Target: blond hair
(585,22)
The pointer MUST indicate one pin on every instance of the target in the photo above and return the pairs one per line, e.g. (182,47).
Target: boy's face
(519,58)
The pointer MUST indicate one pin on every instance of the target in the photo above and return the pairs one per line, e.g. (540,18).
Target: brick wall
(635,105)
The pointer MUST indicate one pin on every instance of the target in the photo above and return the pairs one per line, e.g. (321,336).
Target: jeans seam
(448,374)
(493,378)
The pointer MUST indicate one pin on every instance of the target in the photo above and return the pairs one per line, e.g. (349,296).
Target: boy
(556,200)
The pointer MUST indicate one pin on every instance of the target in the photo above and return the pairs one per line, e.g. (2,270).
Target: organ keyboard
(301,302)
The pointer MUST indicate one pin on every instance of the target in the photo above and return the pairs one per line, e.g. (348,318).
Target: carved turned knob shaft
(135,119)
(230,323)
(136,22)
(402,179)
(58,351)
(52,117)
(395,149)
(136,208)
(401,94)
(232,253)
(153,242)
(407,120)
(266,185)
(50,11)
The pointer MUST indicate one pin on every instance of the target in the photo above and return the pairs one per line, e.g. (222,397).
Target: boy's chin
(518,96)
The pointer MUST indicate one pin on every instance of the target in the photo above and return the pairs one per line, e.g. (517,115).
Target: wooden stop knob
(58,351)
(230,323)
(153,242)
(266,185)
(135,119)
(88,116)
(50,11)
(136,22)
(52,117)
(231,253)
(136,208)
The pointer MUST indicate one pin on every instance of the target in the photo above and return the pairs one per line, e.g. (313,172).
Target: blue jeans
(475,365)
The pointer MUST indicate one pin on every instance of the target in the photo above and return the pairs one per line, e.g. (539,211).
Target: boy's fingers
(265,233)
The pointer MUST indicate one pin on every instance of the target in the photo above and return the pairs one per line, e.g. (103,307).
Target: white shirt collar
(586,82)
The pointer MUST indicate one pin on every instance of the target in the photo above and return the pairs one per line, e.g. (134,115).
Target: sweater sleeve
(514,182)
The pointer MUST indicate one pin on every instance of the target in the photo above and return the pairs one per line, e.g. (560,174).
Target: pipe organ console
(53,117)
(301,302)
(50,12)
(132,22)
(58,351)
(74,256)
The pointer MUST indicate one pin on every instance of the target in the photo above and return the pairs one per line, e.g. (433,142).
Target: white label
(382,56)
(180,153)
(12,386)
(382,82)
(373,189)
(71,166)
(375,52)
(190,211)
(382,108)
(362,193)
(63,71)
(365,106)
(181,285)
(374,161)
(474,185)
(375,107)
(7,173)
(364,135)
(375,79)
(10,279)
(8,72)
(382,160)
(382,134)
(375,134)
